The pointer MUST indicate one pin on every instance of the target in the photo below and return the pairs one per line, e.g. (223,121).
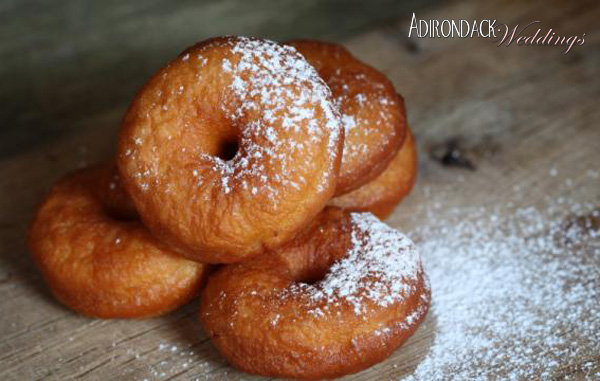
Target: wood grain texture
(519,110)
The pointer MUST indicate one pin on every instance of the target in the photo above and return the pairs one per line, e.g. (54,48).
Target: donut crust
(261,96)
(382,195)
(97,257)
(373,113)
(263,317)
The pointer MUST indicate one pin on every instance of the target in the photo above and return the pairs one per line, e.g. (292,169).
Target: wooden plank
(519,111)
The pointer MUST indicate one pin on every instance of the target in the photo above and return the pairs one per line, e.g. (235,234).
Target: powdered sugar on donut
(277,82)
(381,267)
(374,105)
(292,118)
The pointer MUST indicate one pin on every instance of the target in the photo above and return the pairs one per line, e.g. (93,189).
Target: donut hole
(228,149)
(313,271)
(120,213)
(313,276)
(311,255)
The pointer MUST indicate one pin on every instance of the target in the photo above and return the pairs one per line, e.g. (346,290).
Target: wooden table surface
(67,78)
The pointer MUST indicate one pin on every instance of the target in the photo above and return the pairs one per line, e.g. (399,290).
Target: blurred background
(62,62)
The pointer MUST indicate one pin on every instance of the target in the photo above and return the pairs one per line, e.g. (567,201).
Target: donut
(97,257)
(231,148)
(338,298)
(373,114)
(382,195)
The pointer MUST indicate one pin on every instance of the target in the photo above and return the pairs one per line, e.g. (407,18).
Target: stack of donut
(273,160)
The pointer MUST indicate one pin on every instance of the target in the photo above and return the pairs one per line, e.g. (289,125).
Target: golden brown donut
(338,298)
(373,113)
(99,261)
(231,148)
(382,195)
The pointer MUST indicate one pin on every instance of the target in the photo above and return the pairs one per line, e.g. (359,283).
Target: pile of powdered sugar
(515,292)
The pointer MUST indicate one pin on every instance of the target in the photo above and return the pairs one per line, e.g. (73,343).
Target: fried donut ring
(373,113)
(382,195)
(338,298)
(231,148)
(99,262)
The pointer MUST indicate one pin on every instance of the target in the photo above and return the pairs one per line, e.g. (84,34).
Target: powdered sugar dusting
(276,82)
(516,292)
(282,108)
(381,267)
(378,267)
(364,113)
